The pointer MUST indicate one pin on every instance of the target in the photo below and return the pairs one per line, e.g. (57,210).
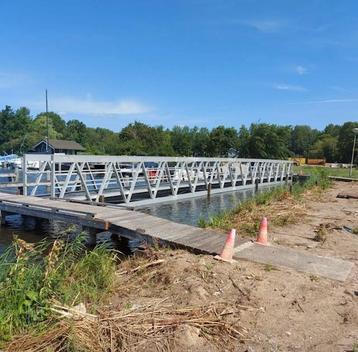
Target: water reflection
(27,229)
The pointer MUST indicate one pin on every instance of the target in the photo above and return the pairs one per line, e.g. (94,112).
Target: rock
(188,339)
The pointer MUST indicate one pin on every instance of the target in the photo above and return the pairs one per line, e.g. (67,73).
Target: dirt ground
(273,309)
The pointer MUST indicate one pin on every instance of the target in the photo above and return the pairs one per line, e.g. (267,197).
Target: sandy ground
(278,309)
(303,312)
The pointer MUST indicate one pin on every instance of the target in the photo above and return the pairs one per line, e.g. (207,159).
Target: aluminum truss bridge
(137,180)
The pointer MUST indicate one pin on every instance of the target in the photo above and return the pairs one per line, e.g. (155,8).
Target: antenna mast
(47,122)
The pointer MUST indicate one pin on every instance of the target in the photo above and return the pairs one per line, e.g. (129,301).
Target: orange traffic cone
(262,235)
(228,250)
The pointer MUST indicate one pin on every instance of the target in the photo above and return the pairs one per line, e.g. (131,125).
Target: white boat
(17,163)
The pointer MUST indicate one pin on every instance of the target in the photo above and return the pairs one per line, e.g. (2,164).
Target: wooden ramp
(127,223)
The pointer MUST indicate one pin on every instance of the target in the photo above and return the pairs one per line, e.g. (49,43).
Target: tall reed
(33,277)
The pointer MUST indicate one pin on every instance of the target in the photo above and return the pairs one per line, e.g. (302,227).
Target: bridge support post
(209,190)
(3,215)
(92,235)
(256,185)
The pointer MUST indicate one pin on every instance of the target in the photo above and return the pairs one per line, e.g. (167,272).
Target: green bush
(33,277)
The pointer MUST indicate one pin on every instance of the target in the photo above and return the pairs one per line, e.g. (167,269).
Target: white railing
(93,177)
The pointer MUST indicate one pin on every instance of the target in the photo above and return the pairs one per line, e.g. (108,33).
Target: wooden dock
(123,222)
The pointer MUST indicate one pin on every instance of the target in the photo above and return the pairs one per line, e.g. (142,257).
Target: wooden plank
(50,209)
(4,196)
(50,204)
(205,239)
(167,231)
(45,214)
(117,218)
(137,223)
(199,238)
(111,213)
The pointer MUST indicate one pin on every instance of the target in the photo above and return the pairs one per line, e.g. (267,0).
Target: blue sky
(170,63)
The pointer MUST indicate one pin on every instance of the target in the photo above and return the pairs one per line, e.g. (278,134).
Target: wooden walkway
(127,223)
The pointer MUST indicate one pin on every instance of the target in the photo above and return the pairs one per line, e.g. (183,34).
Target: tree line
(19,131)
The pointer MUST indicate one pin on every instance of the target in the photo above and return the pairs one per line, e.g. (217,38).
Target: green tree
(332,130)
(182,140)
(39,128)
(77,131)
(140,139)
(244,142)
(200,141)
(345,142)
(325,147)
(15,127)
(221,140)
(269,141)
(56,121)
(302,139)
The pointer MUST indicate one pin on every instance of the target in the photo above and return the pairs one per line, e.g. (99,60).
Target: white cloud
(301,70)
(90,106)
(266,26)
(289,87)
(260,25)
(339,89)
(330,101)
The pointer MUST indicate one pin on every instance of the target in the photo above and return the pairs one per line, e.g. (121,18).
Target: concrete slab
(331,268)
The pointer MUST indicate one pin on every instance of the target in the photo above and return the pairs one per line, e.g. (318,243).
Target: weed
(314,278)
(269,267)
(220,220)
(32,278)
(202,223)
(321,234)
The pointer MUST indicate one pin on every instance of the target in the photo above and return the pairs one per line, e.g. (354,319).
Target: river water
(187,211)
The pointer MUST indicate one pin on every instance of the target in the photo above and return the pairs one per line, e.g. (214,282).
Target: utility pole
(355,131)
(47,122)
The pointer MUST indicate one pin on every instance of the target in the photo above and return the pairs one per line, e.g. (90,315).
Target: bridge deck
(127,223)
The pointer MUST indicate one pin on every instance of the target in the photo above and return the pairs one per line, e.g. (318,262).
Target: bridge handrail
(131,159)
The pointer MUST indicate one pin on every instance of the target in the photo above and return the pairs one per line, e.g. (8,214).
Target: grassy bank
(35,278)
(281,205)
(59,296)
(339,172)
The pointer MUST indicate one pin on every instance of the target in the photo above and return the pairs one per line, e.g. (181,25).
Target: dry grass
(146,312)
(133,329)
(286,210)
(321,233)
(280,205)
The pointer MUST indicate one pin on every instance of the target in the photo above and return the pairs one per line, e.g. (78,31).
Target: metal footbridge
(138,180)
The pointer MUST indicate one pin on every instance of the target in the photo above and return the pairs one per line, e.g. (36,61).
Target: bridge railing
(92,177)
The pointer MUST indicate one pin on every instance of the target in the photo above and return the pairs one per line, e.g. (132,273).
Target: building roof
(63,144)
